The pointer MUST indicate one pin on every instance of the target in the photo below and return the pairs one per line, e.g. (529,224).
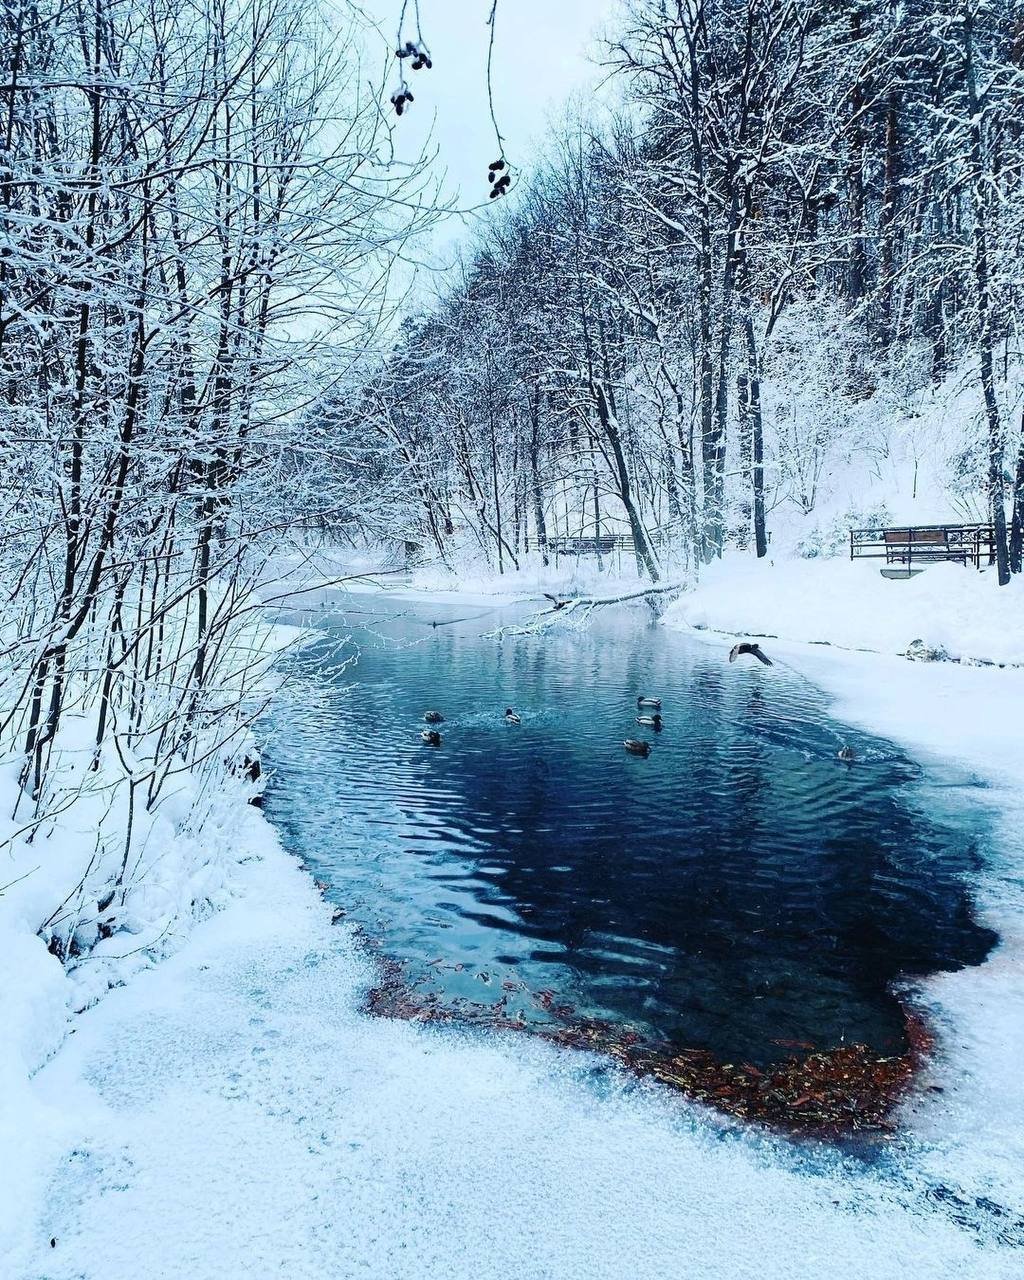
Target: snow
(849,603)
(232,1113)
(184,855)
(323,574)
(229,1111)
(182,870)
(945,713)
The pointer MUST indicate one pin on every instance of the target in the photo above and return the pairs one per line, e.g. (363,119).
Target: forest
(777,225)
(198,225)
(465,810)
(791,221)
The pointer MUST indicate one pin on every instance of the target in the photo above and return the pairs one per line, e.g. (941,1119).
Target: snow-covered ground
(230,1112)
(323,572)
(943,712)
(849,603)
(104,887)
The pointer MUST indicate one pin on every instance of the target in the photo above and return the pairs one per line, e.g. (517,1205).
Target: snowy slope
(231,1114)
(849,603)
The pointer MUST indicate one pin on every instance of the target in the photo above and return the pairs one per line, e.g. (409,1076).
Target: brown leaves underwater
(814,1093)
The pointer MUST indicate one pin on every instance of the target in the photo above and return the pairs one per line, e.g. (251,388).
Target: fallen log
(579,609)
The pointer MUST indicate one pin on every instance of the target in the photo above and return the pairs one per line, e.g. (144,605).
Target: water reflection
(741,890)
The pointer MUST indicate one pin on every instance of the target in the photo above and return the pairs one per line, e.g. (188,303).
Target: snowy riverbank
(231,1112)
(849,604)
(105,886)
(958,713)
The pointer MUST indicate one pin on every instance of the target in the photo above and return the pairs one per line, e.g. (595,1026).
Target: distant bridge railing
(925,544)
(603,544)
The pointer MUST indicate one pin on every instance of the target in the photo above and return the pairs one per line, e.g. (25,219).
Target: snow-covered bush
(833,539)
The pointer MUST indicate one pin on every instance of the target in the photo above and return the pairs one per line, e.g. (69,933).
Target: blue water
(740,890)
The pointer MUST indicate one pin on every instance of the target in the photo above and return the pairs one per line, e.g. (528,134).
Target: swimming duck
(650,722)
(847,755)
(434,717)
(431,737)
(753,649)
(511,717)
(637,748)
(649,702)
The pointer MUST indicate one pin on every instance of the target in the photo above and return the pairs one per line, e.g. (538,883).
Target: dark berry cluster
(499,186)
(420,57)
(400,98)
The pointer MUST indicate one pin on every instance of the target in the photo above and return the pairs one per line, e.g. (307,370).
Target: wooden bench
(911,548)
(904,545)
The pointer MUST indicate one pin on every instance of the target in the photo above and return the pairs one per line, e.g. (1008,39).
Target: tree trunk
(716,516)
(539,521)
(497,500)
(887,218)
(756,437)
(986,342)
(1016,548)
(644,558)
(856,277)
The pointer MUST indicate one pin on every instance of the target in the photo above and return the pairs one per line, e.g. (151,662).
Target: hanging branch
(499,184)
(414,49)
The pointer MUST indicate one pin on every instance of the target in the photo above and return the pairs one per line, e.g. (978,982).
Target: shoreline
(833,1095)
(200,1020)
(950,717)
(828,1092)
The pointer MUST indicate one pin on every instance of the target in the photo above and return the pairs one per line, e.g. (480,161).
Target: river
(741,892)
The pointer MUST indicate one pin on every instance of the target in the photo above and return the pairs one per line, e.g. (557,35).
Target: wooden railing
(593,545)
(924,544)
(603,544)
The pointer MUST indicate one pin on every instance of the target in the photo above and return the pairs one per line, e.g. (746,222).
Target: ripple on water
(739,891)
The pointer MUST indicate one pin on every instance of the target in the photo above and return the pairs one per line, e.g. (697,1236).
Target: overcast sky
(540,62)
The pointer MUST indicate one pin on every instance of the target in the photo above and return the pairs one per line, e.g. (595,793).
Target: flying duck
(637,748)
(431,737)
(511,717)
(754,650)
(650,722)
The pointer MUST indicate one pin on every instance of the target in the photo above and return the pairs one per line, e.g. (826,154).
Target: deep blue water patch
(740,891)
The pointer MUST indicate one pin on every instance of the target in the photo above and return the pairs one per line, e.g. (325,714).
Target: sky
(540,63)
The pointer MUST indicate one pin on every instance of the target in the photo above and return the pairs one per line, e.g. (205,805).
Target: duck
(637,748)
(511,717)
(650,722)
(649,702)
(431,737)
(738,650)
(847,755)
(434,717)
